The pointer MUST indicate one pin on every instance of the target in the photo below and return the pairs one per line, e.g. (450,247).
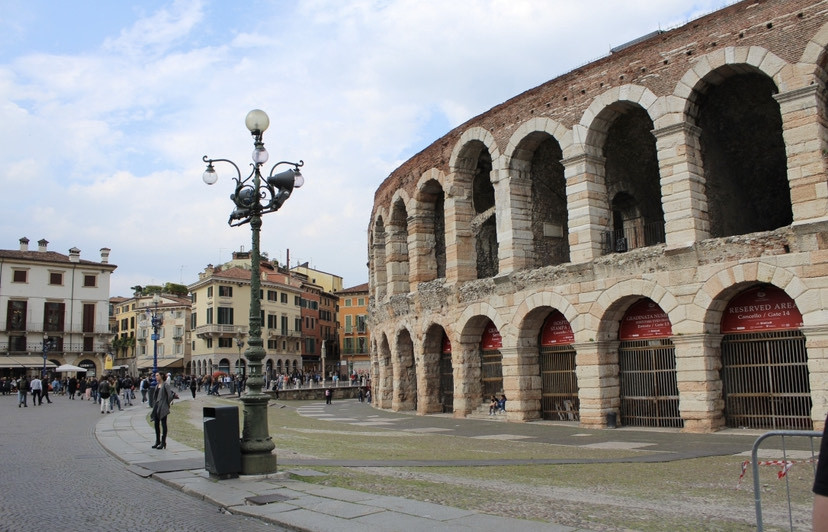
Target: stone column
(461,260)
(521,383)
(806,142)
(467,374)
(683,194)
(421,243)
(396,259)
(816,343)
(698,367)
(599,388)
(586,198)
(513,193)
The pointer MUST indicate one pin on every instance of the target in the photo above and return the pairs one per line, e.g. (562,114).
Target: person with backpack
(22,391)
(104,391)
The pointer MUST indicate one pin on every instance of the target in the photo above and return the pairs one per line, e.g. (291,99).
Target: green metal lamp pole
(254,197)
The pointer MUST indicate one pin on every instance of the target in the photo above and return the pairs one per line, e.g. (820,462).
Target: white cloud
(103,147)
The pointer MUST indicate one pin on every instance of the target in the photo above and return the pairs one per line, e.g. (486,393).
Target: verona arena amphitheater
(642,241)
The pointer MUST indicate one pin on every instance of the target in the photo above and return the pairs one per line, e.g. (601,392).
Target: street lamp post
(254,196)
(47,345)
(156,321)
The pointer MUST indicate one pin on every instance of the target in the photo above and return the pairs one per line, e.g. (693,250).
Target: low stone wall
(314,394)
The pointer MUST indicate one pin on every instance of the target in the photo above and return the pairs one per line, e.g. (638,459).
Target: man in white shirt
(37,389)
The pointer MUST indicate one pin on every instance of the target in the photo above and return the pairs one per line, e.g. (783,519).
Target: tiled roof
(354,289)
(46,256)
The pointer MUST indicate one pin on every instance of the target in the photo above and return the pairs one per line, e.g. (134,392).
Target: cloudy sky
(107,107)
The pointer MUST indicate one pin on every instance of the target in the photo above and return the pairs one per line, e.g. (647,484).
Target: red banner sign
(763,308)
(645,319)
(556,330)
(491,338)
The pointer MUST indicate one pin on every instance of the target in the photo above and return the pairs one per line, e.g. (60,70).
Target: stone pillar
(461,259)
(586,198)
(378,263)
(521,383)
(465,360)
(698,367)
(396,259)
(683,194)
(428,382)
(816,343)
(384,389)
(513,194)
(599,388)
(404,379)
(421,244)
(806,142)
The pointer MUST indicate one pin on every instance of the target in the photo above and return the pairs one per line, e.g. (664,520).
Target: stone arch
(611,305)
(404,371)
(596,120)
(527,320)
(714,295)
(464,159)
(396,245)
(427,249)
(431,372)
(537,201)
(377,259)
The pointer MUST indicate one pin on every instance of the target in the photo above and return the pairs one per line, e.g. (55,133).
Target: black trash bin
(222,449)
(612,420)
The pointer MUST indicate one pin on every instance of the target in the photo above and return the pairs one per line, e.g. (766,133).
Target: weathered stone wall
(640,138)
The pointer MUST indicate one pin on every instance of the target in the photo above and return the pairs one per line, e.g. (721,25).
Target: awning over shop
(163,363)
(24,362)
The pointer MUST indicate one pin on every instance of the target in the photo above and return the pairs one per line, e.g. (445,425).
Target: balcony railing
(632,237)
(216,330)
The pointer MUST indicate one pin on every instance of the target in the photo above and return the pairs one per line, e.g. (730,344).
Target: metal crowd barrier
(814,440)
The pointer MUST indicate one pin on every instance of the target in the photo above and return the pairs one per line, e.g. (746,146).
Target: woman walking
(162,400)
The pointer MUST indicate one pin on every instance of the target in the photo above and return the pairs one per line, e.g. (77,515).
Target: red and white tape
(785,465)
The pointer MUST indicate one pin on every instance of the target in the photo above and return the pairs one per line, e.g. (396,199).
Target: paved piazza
(57,475)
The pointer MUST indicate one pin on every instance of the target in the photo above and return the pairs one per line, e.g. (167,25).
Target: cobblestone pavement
(57,475)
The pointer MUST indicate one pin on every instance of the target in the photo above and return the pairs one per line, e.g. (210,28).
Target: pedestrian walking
(72,387)
(126,386)
(193,385)
(105,392)
(44,392)
(37,386)
(114,394)
(328,396)
(163,396)
(22,391)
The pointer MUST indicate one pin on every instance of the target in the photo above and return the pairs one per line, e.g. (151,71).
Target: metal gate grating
(649,391)
(446,383)
(559,385)
(492,370)
(765,381)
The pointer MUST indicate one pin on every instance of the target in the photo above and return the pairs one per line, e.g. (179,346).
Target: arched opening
(550,218)
(765,379)
(491,363)
(745,164)
(224,365)
(484,223)
(633,181)
(432,397)
(396,251)
(446,376)
(559,384)
(90,367)
(647,368)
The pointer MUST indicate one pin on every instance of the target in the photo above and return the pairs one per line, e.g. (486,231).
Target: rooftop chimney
(41,244)
(74,255)
(24,244)
(105,255)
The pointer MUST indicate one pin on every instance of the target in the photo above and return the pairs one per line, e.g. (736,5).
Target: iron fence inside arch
(808,441)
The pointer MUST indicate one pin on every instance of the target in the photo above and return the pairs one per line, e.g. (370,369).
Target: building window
(272,295)
(347,302)
(20,276)
(56,278)
(297,301)
(209,291)
(298,324)
(284,298)
(90,281)
(361,302)
(209,343)
(194,294)
(225,342)
(16,316)
(210,315)
(225,315)
(53,316)
(272,322)
(225,291)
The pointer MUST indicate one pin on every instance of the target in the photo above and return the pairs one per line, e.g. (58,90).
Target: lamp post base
(258,463)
